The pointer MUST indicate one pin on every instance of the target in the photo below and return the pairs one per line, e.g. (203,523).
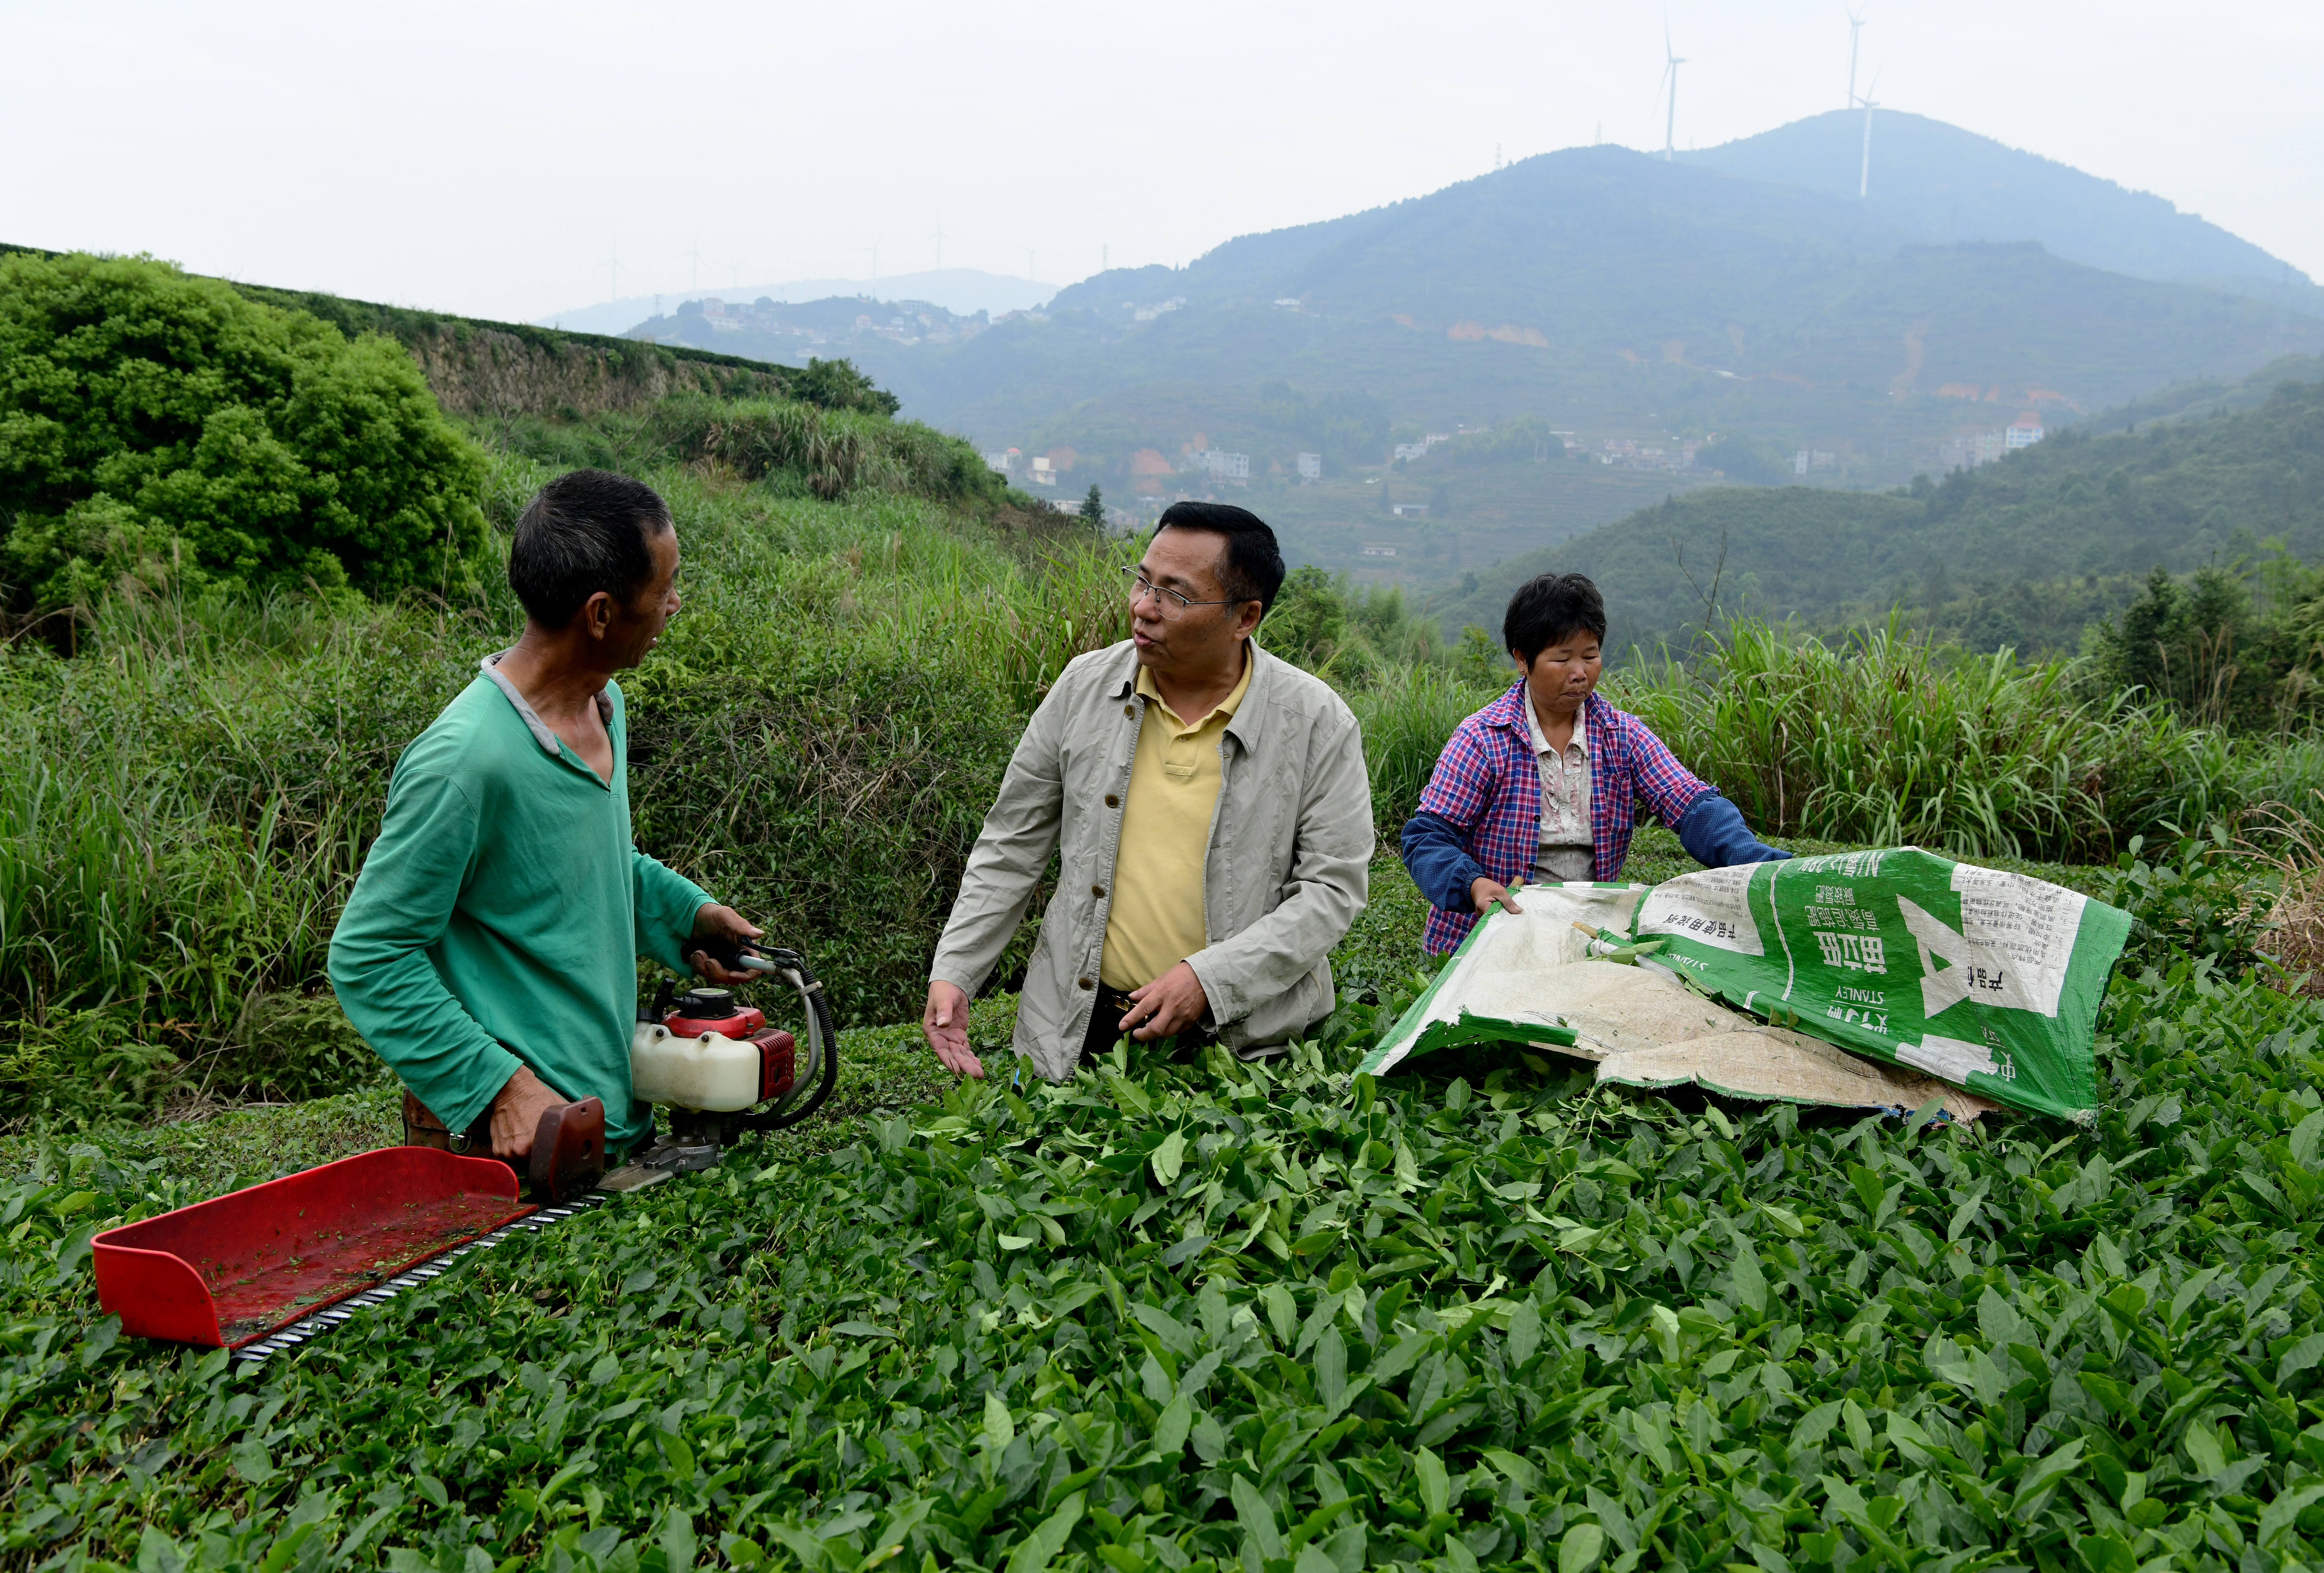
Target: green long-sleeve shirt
(500,914)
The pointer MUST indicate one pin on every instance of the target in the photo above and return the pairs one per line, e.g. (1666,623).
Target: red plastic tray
(230,1271)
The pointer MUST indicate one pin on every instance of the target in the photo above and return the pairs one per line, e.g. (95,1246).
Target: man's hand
(713,921)
(946,1022)
(517,1110)
(1483,892)
(1171,1004)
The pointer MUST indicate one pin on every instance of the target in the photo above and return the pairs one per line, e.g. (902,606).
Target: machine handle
(815,1081)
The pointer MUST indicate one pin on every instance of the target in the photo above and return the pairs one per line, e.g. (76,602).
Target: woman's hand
(1483,892)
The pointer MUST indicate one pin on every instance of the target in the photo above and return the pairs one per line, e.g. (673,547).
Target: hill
(2020,553)
(1606,292)
(1941,183)
(478,366)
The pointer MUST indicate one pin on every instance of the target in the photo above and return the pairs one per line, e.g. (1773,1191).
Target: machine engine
(719,1071)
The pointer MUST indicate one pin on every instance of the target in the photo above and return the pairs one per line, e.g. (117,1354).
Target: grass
(803,449)
(1881,740)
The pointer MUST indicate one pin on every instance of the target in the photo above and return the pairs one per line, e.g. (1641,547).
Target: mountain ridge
(1612,294)
(964,291)
(1943,183)
(1690,278)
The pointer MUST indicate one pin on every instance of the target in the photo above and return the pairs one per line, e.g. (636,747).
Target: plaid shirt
(1487,783)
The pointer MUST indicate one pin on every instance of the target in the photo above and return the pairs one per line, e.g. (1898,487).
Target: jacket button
(1129,709)
(1111,801)
(1085,982)
(1098,890)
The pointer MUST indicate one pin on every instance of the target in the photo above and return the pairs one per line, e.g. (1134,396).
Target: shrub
(838,384)
(1352,637)
(155,426)
(2198,897)
(838,451)
(82,1068)
(1307,625)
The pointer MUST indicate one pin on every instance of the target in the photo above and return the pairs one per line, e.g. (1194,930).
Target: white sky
(494,156)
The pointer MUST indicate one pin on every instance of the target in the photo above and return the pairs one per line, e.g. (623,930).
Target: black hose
(824,1032)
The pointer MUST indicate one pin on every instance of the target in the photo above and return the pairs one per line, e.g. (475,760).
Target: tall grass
(804,448)
(184,804)
(1885,740)
(1882,739)
(1406,714)
(183,807)
(839,451)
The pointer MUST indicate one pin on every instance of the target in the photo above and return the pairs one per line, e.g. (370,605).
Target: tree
(156,426)
(1092,509)
(2202,646)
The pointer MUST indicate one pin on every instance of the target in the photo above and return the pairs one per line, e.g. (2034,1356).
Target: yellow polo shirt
(1156,921)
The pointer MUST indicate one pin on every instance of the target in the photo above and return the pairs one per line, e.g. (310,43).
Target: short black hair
(1549,610)
(587,531)
(1254,565)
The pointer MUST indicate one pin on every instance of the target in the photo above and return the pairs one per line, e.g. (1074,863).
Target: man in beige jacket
(1212,816)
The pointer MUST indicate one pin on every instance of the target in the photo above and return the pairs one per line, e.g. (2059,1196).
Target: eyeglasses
(1166,601)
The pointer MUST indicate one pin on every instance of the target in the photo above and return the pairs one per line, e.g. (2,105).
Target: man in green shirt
(489,952)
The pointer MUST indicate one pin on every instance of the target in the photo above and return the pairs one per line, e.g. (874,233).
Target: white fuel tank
(710,1071)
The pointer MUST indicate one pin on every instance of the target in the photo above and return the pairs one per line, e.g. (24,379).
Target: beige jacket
(1287,872)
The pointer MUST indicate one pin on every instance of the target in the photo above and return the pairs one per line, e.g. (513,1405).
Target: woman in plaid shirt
(1546,783)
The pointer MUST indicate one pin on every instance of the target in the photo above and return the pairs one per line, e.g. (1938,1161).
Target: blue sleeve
(1436,856)
(1713,834)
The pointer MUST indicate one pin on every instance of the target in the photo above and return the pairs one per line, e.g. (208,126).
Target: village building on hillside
(1234,468)
(1968,450)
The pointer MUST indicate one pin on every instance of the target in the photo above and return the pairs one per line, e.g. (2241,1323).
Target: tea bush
(1192,1315)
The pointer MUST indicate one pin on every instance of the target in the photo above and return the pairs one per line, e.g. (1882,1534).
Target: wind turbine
(1855,37)
(938,238)
(1864,179)
(1669,75)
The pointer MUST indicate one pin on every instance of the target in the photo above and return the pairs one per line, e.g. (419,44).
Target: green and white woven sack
(1977,979)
